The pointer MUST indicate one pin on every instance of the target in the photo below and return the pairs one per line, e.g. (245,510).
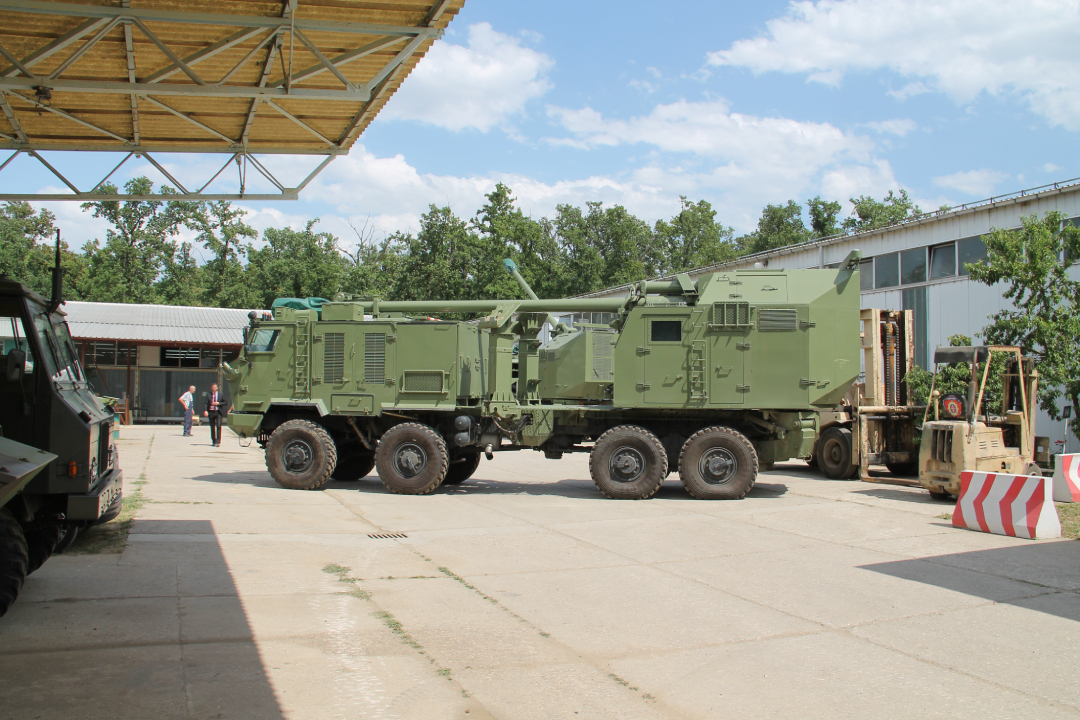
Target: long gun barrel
(512,268)
(614,304)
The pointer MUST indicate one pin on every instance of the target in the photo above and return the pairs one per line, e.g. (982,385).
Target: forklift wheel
(941,496)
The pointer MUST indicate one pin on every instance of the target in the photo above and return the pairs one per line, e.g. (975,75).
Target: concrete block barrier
(1014,505)
(1067,478)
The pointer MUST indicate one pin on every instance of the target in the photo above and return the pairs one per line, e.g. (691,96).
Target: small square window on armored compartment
(665,331)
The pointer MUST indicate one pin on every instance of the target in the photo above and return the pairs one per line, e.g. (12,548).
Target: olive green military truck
(714,378)
(46,403)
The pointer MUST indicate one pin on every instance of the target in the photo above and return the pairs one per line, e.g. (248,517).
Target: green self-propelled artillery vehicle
(714,378)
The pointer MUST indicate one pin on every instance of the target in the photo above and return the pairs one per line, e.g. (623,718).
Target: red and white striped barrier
(1014,505)
(1067,478)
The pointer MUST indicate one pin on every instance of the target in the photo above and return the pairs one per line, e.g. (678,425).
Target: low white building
(919,265)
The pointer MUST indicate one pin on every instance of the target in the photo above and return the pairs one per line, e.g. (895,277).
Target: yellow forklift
(964,435)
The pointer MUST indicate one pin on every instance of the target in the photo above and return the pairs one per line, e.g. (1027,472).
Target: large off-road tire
(628,463)
(834,453)
(41,540)
(411,459)
(353,467)
(300,455)
(13,559)
(718,463)
(461,469)
(907,469)
(67,537)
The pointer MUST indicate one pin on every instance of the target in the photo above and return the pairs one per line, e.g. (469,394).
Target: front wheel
(300,455)
(628,463)
(718,463)
(411,459)
(940,496)
(834,453)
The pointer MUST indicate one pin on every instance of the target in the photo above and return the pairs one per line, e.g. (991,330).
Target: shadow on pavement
(1052,569)
(94,637)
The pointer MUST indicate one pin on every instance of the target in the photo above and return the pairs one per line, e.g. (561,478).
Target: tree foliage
(869,213)
(1033,264)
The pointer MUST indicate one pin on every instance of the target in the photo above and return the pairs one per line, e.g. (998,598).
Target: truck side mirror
(16,364)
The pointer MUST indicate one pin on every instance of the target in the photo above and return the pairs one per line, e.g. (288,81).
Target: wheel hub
(410,459)
(297,456)
(627,464)
(718,466)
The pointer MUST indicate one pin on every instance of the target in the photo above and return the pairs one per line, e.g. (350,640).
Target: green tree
(823,217)
(27,253)
(181,280)
(779,226)
(440,261)
(374,267)
(953,378)
(869,213)
(604,247)
(1033,263)
(223,232)
(137,246)
(692,238)
(296,263)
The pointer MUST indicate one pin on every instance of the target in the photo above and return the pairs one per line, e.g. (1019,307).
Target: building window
(179,357)
(211,358)
(913,266)
(970,250)
(915,299)
(126,354)
(103,353)
(943,261)
(887,270)
(866,274)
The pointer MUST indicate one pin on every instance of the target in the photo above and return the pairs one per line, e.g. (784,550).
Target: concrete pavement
(524,593)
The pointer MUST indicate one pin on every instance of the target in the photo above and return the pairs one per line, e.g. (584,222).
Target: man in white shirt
(188,401)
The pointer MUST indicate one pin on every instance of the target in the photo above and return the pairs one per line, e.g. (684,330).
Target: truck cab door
(665,360)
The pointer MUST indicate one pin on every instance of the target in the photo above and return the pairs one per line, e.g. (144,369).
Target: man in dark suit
(217,407)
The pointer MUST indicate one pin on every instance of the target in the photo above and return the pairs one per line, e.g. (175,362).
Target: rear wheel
(411,459)
(13,559)
(628,463)
(718,463)
(300,455)
(41,541)
(834,453)
(461,469)
(353,467)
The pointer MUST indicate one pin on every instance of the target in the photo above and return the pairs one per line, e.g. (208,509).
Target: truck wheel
(718,463)
(66,539)
(628,463)
(353,467)
(300,455)
(903,469)
(411,459)
(13,559)
(461,470)
(834,453)
(41,541)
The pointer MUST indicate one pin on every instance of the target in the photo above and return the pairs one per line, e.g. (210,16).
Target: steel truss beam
(241,158)
(274,38)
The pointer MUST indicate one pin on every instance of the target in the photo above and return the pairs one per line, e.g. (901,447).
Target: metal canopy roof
(239,77)
(155,323)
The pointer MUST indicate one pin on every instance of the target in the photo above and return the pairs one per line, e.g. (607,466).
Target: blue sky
(740,104)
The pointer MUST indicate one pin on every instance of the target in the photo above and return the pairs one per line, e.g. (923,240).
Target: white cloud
(973,182)
(892,127)
(961,48)
(480,86)
(1051,167)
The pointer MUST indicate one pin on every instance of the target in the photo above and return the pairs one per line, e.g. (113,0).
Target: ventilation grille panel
(422,381)
(778,319)
(601,353)
(730,316)
(375,358)
(333,357)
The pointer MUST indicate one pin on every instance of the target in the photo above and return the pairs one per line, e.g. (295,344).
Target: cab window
(13,337)
(262,340)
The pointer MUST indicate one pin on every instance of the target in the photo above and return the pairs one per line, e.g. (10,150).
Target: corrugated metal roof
(166,324)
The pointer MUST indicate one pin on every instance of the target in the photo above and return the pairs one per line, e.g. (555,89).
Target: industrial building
(148,355)
(918,265)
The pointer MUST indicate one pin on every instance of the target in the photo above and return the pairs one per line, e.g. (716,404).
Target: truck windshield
(58,355)
(262,340)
